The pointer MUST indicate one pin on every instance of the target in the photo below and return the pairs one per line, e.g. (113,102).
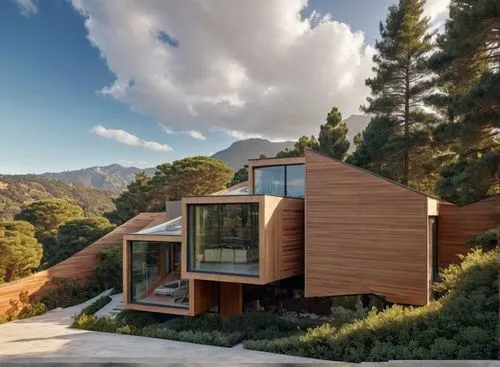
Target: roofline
(377,175)
(227,189)
(269,158)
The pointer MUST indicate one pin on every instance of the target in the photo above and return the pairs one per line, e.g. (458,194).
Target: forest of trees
(434,104)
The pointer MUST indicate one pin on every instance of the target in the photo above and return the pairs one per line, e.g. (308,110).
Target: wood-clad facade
(457,224)
(281,242)
(363,234)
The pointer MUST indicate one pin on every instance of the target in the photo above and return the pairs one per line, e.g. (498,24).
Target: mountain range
(115,177)
(19,190)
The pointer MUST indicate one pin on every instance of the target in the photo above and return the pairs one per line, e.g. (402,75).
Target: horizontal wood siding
(363,234)
(291,243)
(202,296)
(79,266)
(230,299)
(457,224)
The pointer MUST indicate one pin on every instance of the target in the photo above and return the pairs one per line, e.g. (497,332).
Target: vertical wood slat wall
(78,266)
(457,224)
(363,234)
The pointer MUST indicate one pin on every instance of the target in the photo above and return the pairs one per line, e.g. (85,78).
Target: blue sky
(51,82)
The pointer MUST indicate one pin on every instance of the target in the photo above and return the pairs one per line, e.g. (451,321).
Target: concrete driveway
(49,336)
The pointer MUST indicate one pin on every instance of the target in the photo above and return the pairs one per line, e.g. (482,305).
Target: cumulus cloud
(27,6)
(249,67)
(127,138)
(438,11)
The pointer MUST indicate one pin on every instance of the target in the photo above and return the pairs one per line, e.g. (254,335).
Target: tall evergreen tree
(300,147)
(333,135)
(397,89)
(468,82)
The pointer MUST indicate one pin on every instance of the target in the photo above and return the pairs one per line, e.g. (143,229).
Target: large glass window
(224,238)
(269,180)
(295,181)
(280,180)
(155,274)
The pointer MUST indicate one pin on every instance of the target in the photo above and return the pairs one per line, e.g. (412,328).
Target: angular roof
(173,226)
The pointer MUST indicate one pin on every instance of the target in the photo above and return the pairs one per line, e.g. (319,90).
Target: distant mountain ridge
(18,190)
(238,153)
(116,177)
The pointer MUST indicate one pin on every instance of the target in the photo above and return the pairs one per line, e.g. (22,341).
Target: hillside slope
(113,177)
(16,190)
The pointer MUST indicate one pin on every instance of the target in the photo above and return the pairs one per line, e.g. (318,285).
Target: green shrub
(128,330)
(96,305)
(461,324)
(203,322)
(342,315)
(487,240)
(136,319)
(94,323)
(38,308)
(68,292)
(214,337)
(108,272)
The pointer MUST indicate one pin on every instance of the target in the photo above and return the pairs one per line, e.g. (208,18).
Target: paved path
(114,307)
(51,337)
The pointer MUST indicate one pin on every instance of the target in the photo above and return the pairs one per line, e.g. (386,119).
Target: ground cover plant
(460,324)
(202,329)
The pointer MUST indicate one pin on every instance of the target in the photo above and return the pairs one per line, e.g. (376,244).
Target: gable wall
(363,234)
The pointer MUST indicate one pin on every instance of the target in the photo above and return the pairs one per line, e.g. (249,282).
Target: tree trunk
(406,153)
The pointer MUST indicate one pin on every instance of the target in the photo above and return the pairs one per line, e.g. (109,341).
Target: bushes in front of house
(36,309)
(213,337)
(96,305)
(203,329)
(68,292)
(487,240)
(462,324)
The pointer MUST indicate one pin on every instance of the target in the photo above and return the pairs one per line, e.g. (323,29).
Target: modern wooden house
(345,229)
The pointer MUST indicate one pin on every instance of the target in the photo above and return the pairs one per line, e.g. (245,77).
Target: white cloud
(27,6)
(438,11)
(192,133)
(253,67)
(127,138)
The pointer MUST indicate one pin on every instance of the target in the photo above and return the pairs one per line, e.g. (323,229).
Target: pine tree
(467,64)
(300,147)
(333,136)
(398,88)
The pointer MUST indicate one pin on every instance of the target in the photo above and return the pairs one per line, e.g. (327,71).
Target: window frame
(189,232)
(285,183)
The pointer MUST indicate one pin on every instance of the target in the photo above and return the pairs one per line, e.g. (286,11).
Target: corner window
(224,238)
(295,181)
(285,180)
(269,180)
